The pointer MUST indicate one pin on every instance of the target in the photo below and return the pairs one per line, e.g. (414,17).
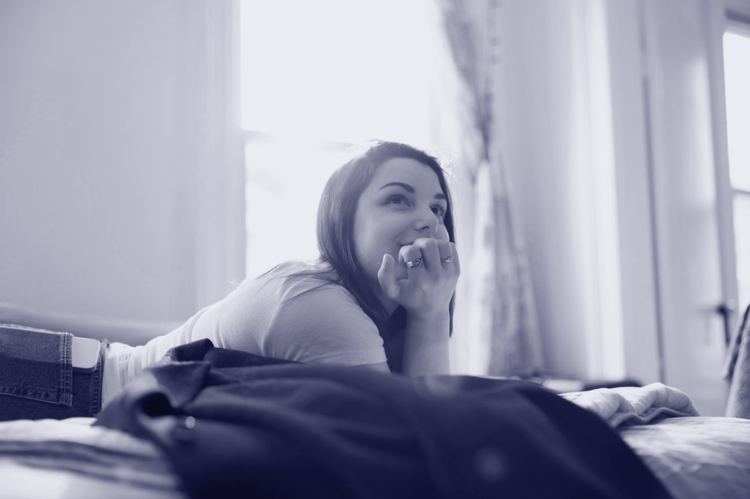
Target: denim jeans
(38,380)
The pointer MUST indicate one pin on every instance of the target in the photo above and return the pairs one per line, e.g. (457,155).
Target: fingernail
(386,262)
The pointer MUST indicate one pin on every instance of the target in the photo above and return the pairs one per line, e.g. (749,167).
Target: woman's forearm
(426,345)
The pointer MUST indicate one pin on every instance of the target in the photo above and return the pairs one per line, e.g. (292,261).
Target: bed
(181,432)
(71,459)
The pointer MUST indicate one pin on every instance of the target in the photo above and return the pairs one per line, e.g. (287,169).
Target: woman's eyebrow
(411,189)
(404,186)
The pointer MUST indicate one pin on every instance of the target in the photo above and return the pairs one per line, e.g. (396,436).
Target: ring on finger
(447,259)
(414,263)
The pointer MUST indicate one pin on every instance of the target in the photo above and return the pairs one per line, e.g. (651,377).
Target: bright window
(737,87)
(316,77)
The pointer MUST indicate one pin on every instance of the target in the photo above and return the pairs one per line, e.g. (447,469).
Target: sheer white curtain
(496,318)
(532,124)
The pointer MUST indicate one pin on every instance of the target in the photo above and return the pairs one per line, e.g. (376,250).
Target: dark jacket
(234,426)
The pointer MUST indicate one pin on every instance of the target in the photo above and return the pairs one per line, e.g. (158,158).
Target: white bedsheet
(696,457)
(71,459)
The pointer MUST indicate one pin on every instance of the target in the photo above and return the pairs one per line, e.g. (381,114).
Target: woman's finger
(387,276)
(456,263)
(411,256)
(430,252)
(446,252)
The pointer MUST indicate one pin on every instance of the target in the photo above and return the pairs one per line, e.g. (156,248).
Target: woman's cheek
(442,234)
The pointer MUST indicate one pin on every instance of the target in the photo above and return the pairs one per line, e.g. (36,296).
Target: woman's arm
(426,346)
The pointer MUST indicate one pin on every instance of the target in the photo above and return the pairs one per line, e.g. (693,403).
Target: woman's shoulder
(293,282)
(304,287)
(316,319)
(315,283)
(298,276)
(303,268)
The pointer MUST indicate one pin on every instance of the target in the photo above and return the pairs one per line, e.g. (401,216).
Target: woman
(381,294)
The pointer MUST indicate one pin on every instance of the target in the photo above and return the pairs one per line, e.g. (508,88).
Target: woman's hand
(432,270)
(424,290)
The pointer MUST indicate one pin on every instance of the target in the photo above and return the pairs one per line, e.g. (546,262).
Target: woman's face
(403,202)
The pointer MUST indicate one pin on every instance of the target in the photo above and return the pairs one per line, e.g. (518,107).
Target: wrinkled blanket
(234,427)
(634,405)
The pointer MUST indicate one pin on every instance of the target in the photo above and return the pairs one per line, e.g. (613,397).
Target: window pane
(737,83)
(338,70)
(742,246)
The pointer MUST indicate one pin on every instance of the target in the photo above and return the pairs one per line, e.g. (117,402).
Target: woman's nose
(427,221)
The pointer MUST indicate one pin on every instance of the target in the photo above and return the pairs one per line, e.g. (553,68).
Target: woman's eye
(396,200)
(438,210)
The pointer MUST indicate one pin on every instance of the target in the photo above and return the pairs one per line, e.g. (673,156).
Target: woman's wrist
(426,344)
(429,324)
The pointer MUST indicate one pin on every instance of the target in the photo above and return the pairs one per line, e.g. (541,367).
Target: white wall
(112,174)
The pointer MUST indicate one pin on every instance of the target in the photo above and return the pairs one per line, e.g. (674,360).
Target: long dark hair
(335,229)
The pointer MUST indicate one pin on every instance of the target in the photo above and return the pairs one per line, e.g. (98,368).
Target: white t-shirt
(279,315)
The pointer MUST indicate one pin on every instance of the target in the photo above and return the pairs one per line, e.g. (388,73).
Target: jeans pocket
(36,365)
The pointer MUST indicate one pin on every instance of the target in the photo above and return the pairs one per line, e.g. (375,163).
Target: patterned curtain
(496,303)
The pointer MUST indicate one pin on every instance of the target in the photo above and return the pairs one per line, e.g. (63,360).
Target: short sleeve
(323,324)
